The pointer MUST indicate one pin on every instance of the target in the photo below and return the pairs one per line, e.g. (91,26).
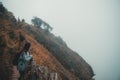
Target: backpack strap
(15,60)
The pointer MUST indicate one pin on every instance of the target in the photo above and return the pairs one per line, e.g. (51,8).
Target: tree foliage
(39,22)
(47,27)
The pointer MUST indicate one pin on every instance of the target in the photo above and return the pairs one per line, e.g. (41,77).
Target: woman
(22,59)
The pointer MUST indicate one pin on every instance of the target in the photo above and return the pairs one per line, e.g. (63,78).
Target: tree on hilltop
(38,22)
(47,27)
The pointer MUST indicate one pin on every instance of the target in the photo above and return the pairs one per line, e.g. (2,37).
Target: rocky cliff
(47,49)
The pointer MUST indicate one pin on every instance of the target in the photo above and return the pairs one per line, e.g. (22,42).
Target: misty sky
(89,27)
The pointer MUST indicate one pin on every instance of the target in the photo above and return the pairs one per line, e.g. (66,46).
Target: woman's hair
(27,46)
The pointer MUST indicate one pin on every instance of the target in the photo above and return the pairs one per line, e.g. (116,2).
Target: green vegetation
(39,22)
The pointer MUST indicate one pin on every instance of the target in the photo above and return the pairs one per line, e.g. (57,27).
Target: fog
(89,27)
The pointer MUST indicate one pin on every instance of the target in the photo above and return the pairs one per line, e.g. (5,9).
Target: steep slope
(47,49)
(70,60)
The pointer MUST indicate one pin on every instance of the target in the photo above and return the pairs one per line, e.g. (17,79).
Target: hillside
(47,49)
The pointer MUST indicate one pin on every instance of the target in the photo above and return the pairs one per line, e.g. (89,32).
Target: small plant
(22,38)
(12,35)
(2,8)
(2,43)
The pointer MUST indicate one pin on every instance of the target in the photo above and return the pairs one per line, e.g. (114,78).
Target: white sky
(89,27)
